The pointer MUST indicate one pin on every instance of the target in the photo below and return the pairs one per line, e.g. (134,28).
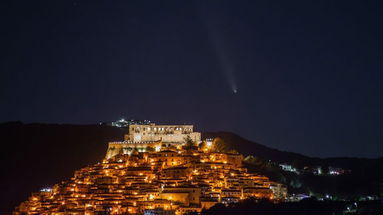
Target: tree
(135,151)
(189,140)
(149,149)
(233,151)
(202,145)
(325,170)
(189,144)
(219,145)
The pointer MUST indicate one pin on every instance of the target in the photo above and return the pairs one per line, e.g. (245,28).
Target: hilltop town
(156,169)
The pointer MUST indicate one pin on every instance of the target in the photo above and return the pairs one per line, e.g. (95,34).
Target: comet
(225,62)
(219,44)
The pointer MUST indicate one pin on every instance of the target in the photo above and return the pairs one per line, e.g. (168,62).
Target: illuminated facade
(142,137)
(169,134)
(168,180)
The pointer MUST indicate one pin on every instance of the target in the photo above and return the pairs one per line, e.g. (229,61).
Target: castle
(140,137)
(153,172)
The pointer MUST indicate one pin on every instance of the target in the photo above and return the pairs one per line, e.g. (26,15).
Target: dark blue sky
(308,73)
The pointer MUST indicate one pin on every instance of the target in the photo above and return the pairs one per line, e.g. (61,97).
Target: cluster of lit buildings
(152,172)
(315,170)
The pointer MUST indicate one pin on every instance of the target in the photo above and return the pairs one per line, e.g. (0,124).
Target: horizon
(202,131)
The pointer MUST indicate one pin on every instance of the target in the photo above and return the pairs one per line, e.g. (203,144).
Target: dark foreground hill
(304,207)
(37,155)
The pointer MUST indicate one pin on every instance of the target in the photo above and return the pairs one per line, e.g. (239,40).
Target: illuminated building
(167,134)
(169,180)
(141,137)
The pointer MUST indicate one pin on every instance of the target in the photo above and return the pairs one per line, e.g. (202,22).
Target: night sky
(308,74)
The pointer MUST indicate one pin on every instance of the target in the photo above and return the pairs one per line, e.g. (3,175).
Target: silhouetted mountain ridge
(253,148)
(248,147)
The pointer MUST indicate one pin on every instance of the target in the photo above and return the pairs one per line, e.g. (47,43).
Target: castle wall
(115,148)
(142,136)
(164,133)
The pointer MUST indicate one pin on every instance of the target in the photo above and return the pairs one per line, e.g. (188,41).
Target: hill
(365,177)
(247,147)
(253,148)
(39,155)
